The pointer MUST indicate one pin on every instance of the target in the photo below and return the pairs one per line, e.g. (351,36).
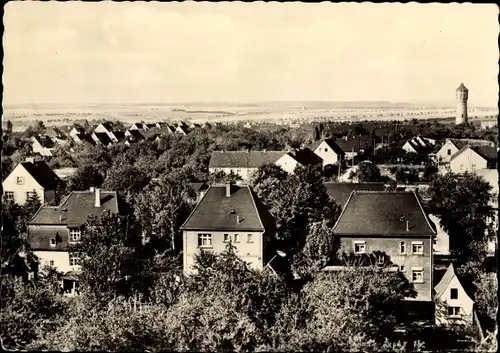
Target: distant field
(283,113)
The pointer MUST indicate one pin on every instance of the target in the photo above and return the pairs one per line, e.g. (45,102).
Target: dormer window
(75,235)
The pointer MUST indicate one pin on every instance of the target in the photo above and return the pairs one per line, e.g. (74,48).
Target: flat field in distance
(277,112)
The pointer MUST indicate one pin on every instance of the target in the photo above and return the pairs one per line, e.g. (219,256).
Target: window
(236,238)
(53,242)
(51,263)
(74,235)
(359,247)
(249,238)
(417,247)
(227,239)
(403,248)
(453,311)
(205,240)
(74,260)
(326,149)
(473,166)
(402,268)
(453,293)
(380,259)
(20,180)
(9,195)
(449,152)
(417,276)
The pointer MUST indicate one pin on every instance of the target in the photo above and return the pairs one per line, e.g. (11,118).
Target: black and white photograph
(249,177)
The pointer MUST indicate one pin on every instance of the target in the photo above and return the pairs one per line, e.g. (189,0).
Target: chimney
(228,190)
(97,197)
(238,219)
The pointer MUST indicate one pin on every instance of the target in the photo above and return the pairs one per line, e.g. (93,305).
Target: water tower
(462,95)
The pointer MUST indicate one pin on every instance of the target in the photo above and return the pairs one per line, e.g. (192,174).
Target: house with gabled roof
(329,152)
(53,229)
(452,146)
(101,138)
(182,130)
(470,158)
(393,225)
(83,138)
(354,146)
(31,177)
(44,145)
(114,135)
(419,145)
(138,126)
(75,130)
(134,135)
(299,157)
(242,163)
(453,304)
(229,214)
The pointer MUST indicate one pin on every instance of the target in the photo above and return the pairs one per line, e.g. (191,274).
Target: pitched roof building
(394,226)
(341,192)
(226,214)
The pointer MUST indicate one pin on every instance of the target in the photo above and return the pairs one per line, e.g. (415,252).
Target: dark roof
(462,87)
(135,134)
(336,148)
(305,157)
(45,141)
(120,135)
(103,138)
(198,186)
(43,174)
(108,126)
(340,192)
(243,159)
(140,126)
(355,144)
(383,213)
(487,152)
(79,205)
(216,211)
(85,137)
(459,143)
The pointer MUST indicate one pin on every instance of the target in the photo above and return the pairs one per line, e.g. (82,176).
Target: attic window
(20,180)
(53,242)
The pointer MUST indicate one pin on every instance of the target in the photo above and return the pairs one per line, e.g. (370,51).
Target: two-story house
(31,176)
(242,163)
(53,229)
(452,146)
(229,214)
(393,224)
(329,152)
(470,158)
(453,304)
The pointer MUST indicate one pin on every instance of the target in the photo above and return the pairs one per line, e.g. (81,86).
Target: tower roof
(462,87)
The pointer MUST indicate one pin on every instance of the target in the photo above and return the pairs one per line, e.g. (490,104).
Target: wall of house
(464,302)
(391,247)
(287,163)
(443,156)
(326,154)
(60,260)
(20,190)
(245,173)
(252,253)
(468,161)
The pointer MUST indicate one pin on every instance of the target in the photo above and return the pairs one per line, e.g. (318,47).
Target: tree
(368,172)
(161,208)
(84,178)
(32,205)
(125,178)
(486,299)
(9,127)
(110,255)
(463,203)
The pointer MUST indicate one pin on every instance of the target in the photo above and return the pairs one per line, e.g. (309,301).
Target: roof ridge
(196,207)
(255,206)
(343,210)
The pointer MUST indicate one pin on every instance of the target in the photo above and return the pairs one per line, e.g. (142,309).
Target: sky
(110,52)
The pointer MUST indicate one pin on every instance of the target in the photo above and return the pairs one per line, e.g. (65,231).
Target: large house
(340,192)
(393,225)
(453,304)
(470,158)
(43,145)
(300,157)
(329,152)
(452,146)
(229,214)
(53,229)
(31,177)
(242,163)
(354,146)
